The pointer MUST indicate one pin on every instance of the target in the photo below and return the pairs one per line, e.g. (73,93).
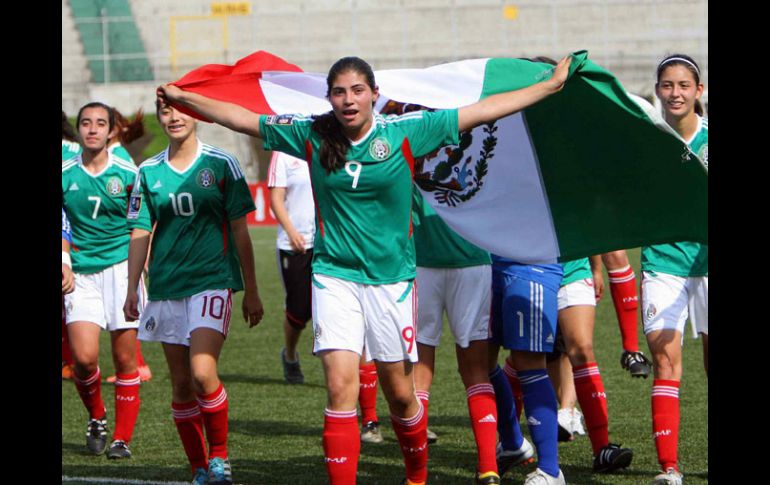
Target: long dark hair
(67,131)
(334,144)
(128,131)
(688,63)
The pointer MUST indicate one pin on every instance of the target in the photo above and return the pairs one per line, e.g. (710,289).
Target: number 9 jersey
(192,247)
(96,207)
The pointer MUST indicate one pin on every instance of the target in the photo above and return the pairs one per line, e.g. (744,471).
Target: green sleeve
(238,201)
(434,130)
(139,216)
(286,133)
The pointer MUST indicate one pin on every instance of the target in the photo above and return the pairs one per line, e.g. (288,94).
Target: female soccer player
(675,276)
(95,188)
(364,265)
(197,199)
(577,312)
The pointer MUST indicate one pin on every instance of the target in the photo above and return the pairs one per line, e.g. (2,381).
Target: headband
(680,59)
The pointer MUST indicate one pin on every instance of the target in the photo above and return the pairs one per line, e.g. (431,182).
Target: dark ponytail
(334,143)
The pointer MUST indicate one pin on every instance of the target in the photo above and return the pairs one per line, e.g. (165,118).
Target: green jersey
(363,216)
(119,151)
(436,244)
(576,270)
(70,149)
(683,258)
(96,206)
(192,247)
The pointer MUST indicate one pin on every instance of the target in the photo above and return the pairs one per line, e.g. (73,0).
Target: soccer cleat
(539,477)
(635,363)
(488,478)
(292,372)
(118,449)
(145,374)
(509,458)
(111,379)
(577,422)
(201,477)
(432,437)
(370,432)
(220,472)
(67,372)
(669,477)
(564,418)
(406,481)
(96,435)
(612,457)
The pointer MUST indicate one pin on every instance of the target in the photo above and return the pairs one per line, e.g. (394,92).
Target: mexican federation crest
(379,149)
(114,186)
(205,178)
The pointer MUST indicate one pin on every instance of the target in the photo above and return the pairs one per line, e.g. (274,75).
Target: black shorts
(558,347)
(295,274)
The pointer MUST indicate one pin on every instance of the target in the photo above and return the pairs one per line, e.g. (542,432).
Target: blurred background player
(95,188)
(675,276)
(195,199)
(67,277)
(454,275)
(291,199)
(626,302)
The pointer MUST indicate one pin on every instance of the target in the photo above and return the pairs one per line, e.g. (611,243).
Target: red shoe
(67,372)
(111,379)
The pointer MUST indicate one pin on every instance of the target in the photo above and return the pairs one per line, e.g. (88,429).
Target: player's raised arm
(503,104)
(229,115)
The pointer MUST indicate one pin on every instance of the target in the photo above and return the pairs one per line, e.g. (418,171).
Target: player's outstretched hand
(252,308)
(560,72)
(167,93)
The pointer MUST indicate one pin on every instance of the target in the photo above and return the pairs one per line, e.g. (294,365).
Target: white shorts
(99,298)
(668,300)
(465,293)
(349,316)
(172,321)
(580,292)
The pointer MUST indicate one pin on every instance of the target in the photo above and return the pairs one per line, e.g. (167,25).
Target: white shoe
(669,477)
(510,458)
(564,418)
(577,422)
(539,477)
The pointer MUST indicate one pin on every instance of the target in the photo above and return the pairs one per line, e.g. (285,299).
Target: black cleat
(612,457)
(636,363)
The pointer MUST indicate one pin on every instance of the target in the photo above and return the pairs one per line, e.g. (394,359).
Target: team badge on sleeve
(114,186)
(280,119)
(379,149)
(134,204)
(205,178)
(703,154)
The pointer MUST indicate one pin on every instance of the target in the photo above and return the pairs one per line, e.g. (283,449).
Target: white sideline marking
(125,481)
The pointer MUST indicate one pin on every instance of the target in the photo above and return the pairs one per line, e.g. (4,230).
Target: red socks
(483,411)
(513,380)
(665,421)
(593,402)
(126,405)
(213,407)
(626,301)
(139,357)
(367,393)
(90,390)
(342,446)
(66,354)
(189,425)
(413,438)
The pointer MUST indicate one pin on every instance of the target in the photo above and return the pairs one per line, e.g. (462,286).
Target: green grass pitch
(275,429)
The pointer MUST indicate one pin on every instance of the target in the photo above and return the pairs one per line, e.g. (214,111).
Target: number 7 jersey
(192,247)
(96,207)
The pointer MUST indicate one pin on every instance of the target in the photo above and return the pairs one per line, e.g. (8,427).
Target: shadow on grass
(264,427)
(252,379)
(126,471)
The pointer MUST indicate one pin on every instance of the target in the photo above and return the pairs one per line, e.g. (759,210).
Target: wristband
(65,258)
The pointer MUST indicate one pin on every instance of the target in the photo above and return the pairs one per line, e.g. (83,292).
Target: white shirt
(293,174)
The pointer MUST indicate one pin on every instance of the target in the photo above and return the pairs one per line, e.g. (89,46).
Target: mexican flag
(588,170)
